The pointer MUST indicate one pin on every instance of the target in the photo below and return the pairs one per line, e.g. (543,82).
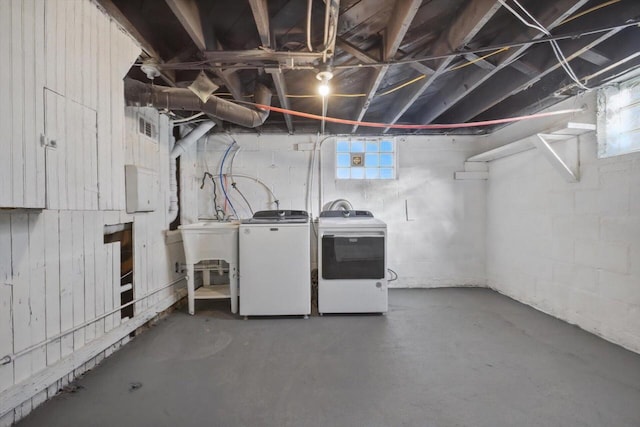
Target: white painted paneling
(52,284)
(91,234)
(56,273)
(104,116)
(100,269)
(22,75)
(6,113)
(66,284)
(6,302)
(21,310)
(77,276)
(72,175)
(17,105)
(37,290)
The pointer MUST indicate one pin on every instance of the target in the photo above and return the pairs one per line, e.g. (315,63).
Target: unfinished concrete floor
(441,357)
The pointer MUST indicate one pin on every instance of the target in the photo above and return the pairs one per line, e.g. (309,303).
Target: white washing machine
(352,266)
(274,264)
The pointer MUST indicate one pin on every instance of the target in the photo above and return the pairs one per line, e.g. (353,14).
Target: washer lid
(281,216)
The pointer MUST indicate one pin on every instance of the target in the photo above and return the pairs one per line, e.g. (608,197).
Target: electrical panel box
(142,188)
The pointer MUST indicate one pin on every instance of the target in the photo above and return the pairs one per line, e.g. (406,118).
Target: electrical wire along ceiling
(375,66)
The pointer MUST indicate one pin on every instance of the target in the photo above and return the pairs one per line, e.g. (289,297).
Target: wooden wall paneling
(52,283)
(64,160)
(131,135)
(7,419)
(73,51)
(21,310)
(52,161)
(108,281)
(86,79)
(112,263)
(17,82)
(6,301)
(31,146)
(37,290)
(117,119)
(93,13)
(140,261)
(115,283)
(91,234)
(77,277)
(50,43)
(90,144)
(66,283)
(100,267)
(40,81)
(60,51)
(6,108)
(75,148)
(104,114)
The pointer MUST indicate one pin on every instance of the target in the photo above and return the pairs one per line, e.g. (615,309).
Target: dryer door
(353,256)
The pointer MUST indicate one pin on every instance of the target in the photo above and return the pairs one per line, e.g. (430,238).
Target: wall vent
(146,128)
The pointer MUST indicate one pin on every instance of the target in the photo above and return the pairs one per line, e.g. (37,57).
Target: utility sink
(211,240)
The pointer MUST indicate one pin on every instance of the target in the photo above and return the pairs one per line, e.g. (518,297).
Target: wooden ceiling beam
(403,14)
(188,14)
(459,87)
(261,16)
(510,82)
(557,85)
(470,20)
(507,81)
(281,89)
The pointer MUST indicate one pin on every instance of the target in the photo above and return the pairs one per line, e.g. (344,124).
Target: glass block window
(366,159)
(618,128)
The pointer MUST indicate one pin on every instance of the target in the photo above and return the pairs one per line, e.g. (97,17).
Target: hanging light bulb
(324,76)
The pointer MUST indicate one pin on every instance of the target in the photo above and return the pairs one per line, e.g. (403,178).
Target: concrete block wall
(436,225)
(570,250)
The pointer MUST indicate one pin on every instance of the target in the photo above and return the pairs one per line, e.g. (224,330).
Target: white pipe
(10,357)
(178,149)
(309,7)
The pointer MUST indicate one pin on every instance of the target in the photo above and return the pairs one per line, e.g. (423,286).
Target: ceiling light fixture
(324,76)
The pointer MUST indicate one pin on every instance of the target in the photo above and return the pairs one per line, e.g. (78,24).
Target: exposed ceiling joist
(188,14)
(479,61)
(467,82)
(546,89)
(259,56)
(404,12)
(462,30)
(281,89)
(510,82)
(596,58)
(261,16)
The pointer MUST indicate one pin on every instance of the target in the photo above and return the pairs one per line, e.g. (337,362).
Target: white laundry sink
(211,240)
(207,240)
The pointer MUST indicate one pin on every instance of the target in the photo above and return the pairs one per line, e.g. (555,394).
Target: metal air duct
(143,94)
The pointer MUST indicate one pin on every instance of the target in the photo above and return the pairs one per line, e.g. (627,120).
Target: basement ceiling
(393,61)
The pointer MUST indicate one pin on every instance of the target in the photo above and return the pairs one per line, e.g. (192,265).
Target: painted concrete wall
(59,282)
(570,250)
(436,225)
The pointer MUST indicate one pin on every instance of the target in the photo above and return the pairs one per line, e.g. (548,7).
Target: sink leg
(190,289)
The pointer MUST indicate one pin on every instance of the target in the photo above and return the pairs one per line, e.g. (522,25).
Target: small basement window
(619,118)
(359,158)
